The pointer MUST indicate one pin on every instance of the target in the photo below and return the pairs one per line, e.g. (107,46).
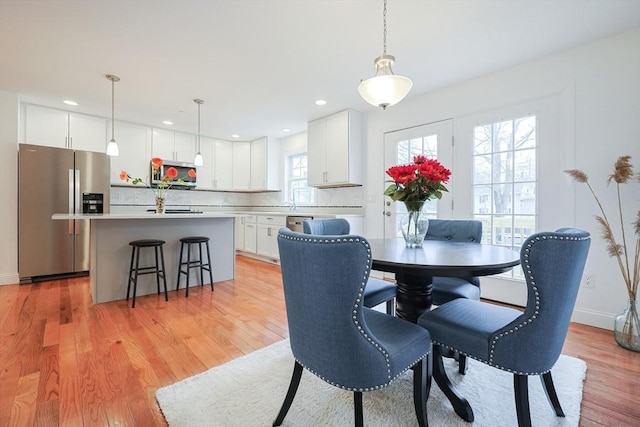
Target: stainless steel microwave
(186,177)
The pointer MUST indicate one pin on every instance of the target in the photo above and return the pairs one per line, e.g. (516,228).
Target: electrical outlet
(589,281)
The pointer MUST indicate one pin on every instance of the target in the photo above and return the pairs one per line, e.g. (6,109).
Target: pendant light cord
(384,33)
(198,127)
(112,109)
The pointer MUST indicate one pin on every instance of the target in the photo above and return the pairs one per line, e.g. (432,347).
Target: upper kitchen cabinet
(215,173)
(334,149)
(265,162)
(63,129)
(241,165)
(177,146)
(134,143)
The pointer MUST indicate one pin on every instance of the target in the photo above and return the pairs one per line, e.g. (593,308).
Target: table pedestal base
(413,296)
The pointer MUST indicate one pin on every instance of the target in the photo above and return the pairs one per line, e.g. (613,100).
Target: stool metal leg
(201,265)
(157,270)
(209,265)
(135,281)
(179,266)
(188,266)
(164,275)
(133,251)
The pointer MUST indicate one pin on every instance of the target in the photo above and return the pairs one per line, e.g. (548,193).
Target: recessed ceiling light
(286,130)
(69,102)
(235,135)
(168,122)
(321,102)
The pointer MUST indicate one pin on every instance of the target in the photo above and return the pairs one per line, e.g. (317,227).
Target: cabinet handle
(269,231)
(70,142)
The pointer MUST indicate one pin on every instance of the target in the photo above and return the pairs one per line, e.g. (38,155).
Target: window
(505,181)
(298,191)
(406,150)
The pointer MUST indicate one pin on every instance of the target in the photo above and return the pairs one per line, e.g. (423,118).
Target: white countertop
(144,215)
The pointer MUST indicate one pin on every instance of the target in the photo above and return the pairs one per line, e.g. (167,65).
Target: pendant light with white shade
(112,146)
(198,161)
(385,88)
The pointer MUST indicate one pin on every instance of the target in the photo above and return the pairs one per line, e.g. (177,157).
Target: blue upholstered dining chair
(377,291)
(447,289)
(333,335)
(524,343)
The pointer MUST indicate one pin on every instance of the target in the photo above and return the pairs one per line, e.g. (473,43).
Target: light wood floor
(67,362)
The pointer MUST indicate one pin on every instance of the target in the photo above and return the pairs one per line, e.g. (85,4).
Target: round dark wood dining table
(415,267)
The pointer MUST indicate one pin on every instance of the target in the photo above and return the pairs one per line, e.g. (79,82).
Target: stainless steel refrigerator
(54,180)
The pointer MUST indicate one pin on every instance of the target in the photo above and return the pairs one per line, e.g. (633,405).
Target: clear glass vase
(159,205)
(626,328)
(414,225)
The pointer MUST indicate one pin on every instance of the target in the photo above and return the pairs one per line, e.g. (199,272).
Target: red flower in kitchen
(166,181)
(417,182)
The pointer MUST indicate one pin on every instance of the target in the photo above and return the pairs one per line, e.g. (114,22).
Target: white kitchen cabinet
(334,149)
(265,164)
(205,173)
(64,129)
(240,221)
(223,165)
(267,235)
(134,144)
(241,165)
(250,234)
(216,172)
(176,146)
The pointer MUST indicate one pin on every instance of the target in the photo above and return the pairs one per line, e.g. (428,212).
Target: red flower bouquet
(417,182)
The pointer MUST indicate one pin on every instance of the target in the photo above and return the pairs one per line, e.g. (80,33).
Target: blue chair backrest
(456,230)
(328,226)
(324,280)
(553,263)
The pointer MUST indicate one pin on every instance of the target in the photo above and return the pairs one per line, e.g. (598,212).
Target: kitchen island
(111,253)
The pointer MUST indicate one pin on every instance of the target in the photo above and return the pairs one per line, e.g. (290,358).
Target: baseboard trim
(9,279)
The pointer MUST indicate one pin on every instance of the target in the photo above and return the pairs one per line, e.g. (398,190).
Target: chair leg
(460,404)
(291,393)
(521,392)
(357,407)
(550,390)
(462,364)
(422,372)
(391,307)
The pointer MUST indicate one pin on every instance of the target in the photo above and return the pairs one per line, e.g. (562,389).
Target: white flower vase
(414,225)
(159,205)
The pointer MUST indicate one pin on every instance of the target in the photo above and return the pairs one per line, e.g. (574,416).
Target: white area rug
(249,391)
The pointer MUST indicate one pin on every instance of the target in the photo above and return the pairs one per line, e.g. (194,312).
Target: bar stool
(136,245)
(199,263)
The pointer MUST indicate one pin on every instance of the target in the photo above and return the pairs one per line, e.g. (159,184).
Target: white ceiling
(259,65)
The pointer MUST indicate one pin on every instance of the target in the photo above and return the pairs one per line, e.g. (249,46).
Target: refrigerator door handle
(76,207)
(70,192)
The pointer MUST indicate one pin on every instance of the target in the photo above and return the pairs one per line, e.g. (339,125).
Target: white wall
(9,190)
(598,91)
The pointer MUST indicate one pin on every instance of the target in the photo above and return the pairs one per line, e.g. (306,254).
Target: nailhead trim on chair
(526,321)
(354,316)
